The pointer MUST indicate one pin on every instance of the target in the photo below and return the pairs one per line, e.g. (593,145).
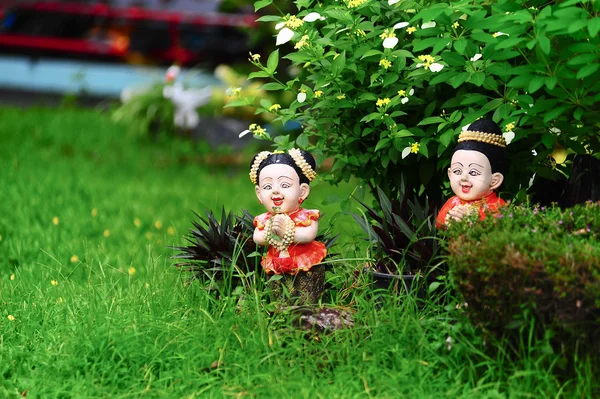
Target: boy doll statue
(476,170)
(281,182)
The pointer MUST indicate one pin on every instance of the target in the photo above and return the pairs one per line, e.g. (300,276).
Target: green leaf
(460,45)
(554,113)
(477,78)
(508,43)
(520,81)
(544,43)
(582,59)
(431,120)
(587,71)
(390,78)
(536,83)
(259,74)
(420,45)
(594,27)
(442,77)
(337,66)
(403,133)
(551,82)
(576,26)
(262,4)
(503,55)
(578,113)
(483,37)
(383,143)
(446,138)
(459,79)
(269,18)
(453,59)
(501,69)
(371,53)
(273,86)
(273,61)
(495,103)
(473,98)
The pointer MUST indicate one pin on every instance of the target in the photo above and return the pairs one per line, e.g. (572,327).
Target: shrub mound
(539,261)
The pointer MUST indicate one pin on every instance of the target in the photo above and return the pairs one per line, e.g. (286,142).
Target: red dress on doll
(489,204)
(302,257)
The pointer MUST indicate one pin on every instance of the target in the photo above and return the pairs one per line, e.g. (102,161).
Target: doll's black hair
(286,159)
(494,153)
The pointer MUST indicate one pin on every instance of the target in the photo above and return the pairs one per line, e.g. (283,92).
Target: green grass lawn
(91,305)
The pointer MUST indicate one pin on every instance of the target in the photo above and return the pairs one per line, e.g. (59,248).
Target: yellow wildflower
(234,91)
(303,42)
(171,231)
(306,64)
(255,57)
(356,3)
(147,285)
(388,33)
(74,258)
(11,317)
(148,235)
(60,300)
(256,129)
(414,148)
(137,222)
(410,30)
(427,60)
(341,97)
(54,282)
(131,271)
(55,220)
(158,225)
(455,25)
(293,22)
(12,277)
(382,102)
(360,32)
(385,63)
(509,127)
(318,93)
(274,108)
(94,212)
(401,93)
(106,233)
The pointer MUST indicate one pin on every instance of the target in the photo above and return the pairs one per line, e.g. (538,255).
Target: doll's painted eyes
(267,187)
(474,172)
(286,185)
(457,171)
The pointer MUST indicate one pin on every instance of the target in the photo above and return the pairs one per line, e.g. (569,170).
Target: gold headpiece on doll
(296,155)
(482,137)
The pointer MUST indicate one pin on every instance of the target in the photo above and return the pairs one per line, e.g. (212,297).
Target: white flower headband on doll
(296,156)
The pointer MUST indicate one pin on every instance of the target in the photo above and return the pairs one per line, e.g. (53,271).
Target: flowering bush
(386,86)
(538,261)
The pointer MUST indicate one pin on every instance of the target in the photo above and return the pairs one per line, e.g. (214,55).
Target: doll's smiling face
(279,188)
(471,176)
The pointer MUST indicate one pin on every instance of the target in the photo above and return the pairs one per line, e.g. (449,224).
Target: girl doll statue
(475,171)
(282,184)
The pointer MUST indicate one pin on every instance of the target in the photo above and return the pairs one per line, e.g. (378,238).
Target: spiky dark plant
(403,235)
(219,250)
(223,250)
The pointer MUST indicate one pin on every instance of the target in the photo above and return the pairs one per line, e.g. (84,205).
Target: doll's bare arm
(306,234)
(260,236)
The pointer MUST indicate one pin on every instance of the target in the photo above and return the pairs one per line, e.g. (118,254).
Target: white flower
(312,17)
(245,132)
(401,25)
(465,127)
(532,177)
(449,343)
(284,36)
(392,2)
(436,67)
(390,42)
(497,34)
(404,100)
(279,25)
(301,97)
(411,92)
(427,25)
(555,130)
(476,57)
(534,152)
(406,152)
(419,65)
(508,136)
